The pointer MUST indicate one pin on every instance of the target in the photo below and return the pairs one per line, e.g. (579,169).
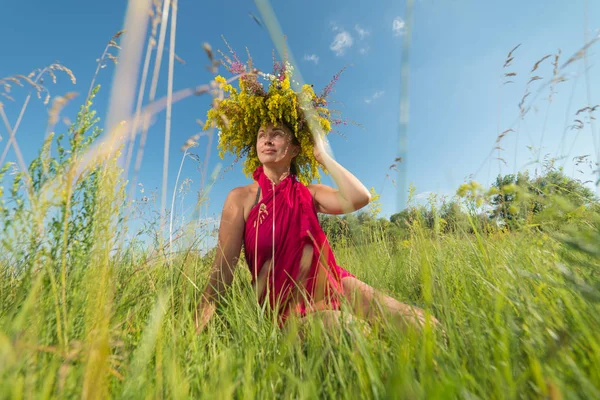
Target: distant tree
(518,199)
(404,218)
(453,218)
(407,217)
(507,198)
(556,182)
(335,227)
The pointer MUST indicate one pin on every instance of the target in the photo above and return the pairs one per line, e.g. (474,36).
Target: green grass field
(85,313)
(122,325)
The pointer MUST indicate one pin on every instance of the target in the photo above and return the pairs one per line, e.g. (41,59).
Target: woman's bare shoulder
(242,192)
(243,197)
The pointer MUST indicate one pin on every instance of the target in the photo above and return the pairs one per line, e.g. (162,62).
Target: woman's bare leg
(370,304)
(332,321)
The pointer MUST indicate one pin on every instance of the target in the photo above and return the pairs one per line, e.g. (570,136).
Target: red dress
(279,229)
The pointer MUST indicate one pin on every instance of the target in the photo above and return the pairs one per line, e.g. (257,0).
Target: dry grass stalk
(501,136)
(58,104)
(20,159)
(155,18)
(507,63)
(214,63)
(522,102)
(164,17)
(192,141)
(105,146)
(578,124)
(167,145)
(588,108)
(39,89)
(581,52)
(510,57)
(537,64)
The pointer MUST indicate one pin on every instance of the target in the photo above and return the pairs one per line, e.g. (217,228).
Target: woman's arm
(351,194)
(229,246)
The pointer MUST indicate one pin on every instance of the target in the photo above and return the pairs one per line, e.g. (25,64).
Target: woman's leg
(332,321)
(370,304)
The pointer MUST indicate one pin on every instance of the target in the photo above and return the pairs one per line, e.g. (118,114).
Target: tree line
(549,201)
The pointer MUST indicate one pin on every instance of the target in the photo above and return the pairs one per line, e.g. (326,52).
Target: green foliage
(59,227)
(519,200)
(449,217)
(454,219)
(337,229)
(50,210)
(374,206)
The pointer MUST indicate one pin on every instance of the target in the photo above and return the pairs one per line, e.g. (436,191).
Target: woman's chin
(269,159)
(272,161)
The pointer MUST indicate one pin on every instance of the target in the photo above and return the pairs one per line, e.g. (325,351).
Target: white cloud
(398,26)
(342,41)
(313,57)
(423,195)
(364,50)
(362,33)
(375,96)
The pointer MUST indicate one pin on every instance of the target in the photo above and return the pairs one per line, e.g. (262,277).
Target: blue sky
(458,104)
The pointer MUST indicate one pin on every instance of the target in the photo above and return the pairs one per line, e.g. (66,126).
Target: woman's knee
(353,286)
(360,296)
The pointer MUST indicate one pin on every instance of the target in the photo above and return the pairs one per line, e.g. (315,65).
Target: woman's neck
(275,173)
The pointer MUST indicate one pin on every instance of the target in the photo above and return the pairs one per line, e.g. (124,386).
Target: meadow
(88,311)
(86,314)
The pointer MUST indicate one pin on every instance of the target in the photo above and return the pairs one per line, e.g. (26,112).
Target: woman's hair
(293,169)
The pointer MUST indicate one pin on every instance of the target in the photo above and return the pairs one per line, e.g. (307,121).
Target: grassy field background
(88,309)
(96,317)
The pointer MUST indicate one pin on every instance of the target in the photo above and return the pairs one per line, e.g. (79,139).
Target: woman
(304,277)
(280,132)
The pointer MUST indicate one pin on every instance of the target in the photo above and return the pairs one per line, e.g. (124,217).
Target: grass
(515,326)
(85,313)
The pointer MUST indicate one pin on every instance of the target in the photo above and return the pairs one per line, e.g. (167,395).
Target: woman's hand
(319,149)
(204,315)
(351,195)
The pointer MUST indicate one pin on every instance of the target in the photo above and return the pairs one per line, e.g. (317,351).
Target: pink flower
(237,67)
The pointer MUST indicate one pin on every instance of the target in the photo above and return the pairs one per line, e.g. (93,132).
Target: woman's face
(274,145)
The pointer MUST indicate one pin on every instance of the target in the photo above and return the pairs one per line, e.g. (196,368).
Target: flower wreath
(239,113)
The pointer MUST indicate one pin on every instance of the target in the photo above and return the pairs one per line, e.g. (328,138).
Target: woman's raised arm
(351,194)
(229,246)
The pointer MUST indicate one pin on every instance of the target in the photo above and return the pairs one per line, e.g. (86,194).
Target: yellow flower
(325,124)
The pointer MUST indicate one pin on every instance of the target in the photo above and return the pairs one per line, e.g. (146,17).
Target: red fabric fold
(276,233)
